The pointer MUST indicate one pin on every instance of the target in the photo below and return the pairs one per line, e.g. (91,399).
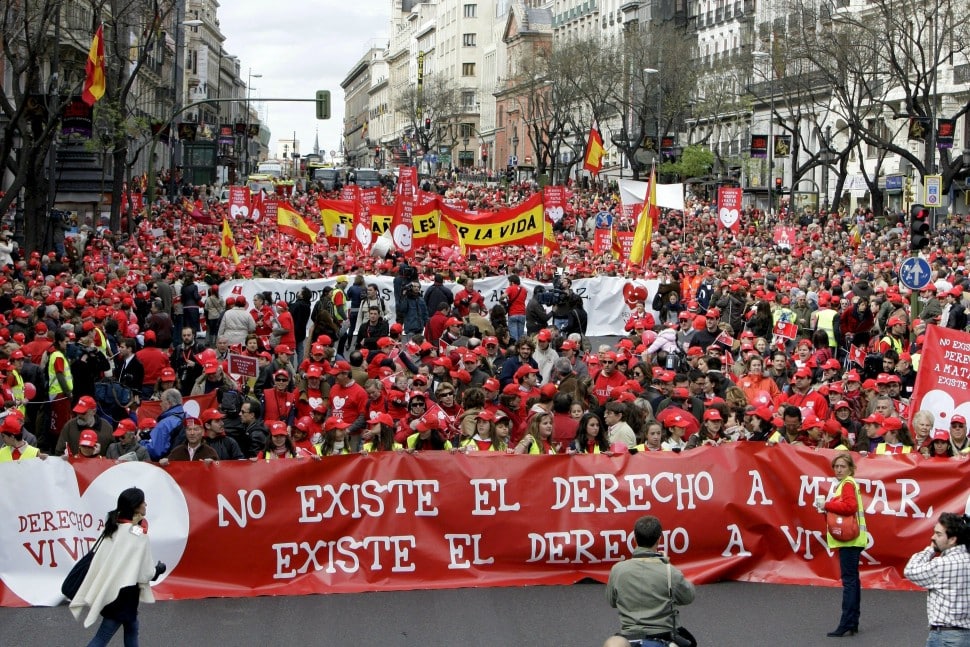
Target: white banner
(669,196)
(606,309)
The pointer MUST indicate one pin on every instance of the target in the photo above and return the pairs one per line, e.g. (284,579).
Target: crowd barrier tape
(436,520)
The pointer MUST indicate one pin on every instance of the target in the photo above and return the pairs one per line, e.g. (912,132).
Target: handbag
(72,583)
(842,527)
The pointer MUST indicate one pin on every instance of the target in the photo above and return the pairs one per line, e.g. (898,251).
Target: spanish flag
(645,224)
(227,246)
(289,221)
(94,69)
(593,160)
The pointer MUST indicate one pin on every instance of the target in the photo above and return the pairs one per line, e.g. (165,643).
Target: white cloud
(299,47)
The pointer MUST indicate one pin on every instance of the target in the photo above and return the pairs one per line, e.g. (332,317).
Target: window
(468,40)
(468,69)
(468,100)
(471,10)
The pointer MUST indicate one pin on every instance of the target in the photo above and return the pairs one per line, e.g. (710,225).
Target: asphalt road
(723,615)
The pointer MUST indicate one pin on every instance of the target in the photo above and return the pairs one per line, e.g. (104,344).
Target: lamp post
(249,89)
(515,149)
(827,157)
(464,150)
(770,76)
(647,71)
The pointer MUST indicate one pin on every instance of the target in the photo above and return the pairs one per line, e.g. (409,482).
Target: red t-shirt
(605,384)
(517,299)
(154,360)
(349,402)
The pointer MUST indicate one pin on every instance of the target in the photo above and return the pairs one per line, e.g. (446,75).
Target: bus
(261,182)
(366,178)
(273,168)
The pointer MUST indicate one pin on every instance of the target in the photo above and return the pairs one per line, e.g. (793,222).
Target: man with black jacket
(372,329)
(437,294)
(184,360)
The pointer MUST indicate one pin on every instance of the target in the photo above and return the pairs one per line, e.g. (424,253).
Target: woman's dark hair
(582,438)
(384,442)
(473,398)
(269,447)
(128,501)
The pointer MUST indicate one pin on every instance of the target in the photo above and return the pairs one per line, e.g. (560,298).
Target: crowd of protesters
(810,343)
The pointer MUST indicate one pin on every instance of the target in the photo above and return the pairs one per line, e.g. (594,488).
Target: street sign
(933,191)
(914,273)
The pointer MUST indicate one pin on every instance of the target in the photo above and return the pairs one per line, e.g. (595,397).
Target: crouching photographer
(646,590)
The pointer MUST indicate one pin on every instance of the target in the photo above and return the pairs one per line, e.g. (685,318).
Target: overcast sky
(300,51)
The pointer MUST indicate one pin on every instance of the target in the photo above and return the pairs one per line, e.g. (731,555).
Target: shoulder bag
(72,583)
(842,527)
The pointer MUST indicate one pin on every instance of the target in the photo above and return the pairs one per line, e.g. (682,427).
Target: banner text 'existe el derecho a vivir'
(437,520)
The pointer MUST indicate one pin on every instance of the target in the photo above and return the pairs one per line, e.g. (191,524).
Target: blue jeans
(851,587)
(948,638)
(108,629)
(517,326)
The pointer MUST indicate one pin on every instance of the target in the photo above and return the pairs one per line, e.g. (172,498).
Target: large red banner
(943,381)
(439,520)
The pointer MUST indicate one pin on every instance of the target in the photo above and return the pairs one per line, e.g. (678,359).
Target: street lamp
(827,157)
(770,76)
(464,144)
(249,89)
(648,71)
(515,148)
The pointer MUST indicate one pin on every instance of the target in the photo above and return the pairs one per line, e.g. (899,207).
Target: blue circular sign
(914,273)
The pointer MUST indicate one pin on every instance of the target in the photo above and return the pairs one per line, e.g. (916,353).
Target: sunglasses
(608,363)
(446,395)
(282,379)
(418,404)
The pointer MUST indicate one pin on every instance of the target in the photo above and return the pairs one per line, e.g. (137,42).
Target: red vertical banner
(943,379)
(402,224)
(784,236)
(554,203)
(729,208)
(363,234)
(239,203)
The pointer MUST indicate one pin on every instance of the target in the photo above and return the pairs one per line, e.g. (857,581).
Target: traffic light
(919,228)
(427,123)
(323,104)
(510,174)
(778,183)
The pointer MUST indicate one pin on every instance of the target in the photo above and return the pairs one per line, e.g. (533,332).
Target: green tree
(695,161)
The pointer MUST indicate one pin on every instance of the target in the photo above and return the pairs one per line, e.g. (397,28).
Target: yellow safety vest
(881,449)
(369,446)
(863,538)
(54,389)
(17,390)
(895,344)
(825,320)
(101,341)
(27,451)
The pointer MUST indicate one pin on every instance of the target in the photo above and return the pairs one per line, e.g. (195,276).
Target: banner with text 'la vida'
(396,521)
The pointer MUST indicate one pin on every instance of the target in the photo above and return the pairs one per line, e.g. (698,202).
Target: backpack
(231,402)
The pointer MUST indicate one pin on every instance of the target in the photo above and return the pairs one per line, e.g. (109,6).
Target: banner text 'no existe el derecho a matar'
(400,521)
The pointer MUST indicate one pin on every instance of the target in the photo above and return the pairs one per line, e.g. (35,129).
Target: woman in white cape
(120,573)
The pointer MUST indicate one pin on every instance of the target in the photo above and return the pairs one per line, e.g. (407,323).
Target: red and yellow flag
(227,245)
(289,221)
(646,223)
(94,69)
(593,159)
(337,218)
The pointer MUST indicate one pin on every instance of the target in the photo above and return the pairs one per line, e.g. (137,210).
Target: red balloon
(29,391)
(628,291)
(640,293)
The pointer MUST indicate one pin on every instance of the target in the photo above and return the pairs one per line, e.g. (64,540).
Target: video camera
(554,297)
